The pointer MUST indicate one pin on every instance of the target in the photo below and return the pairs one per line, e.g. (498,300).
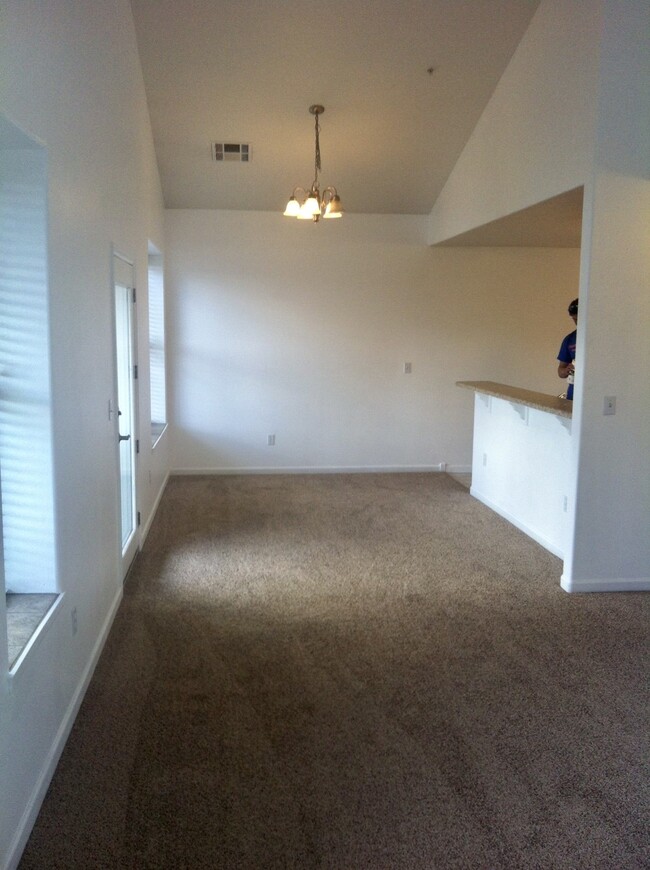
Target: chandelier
(312,205)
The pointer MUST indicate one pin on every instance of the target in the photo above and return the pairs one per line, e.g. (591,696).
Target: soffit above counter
(552,223)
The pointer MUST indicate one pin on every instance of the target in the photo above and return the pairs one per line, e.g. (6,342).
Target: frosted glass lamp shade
(333,208)
(312,205)
(293,207)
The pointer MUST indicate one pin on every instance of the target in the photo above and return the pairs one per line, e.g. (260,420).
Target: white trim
(319,469)
(124,274)
(609,584)
(548,545)
(156,504)
(33,805)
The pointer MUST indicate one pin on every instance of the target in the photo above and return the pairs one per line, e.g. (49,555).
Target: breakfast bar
(522,459)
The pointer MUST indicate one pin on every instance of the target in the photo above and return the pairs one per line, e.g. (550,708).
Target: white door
(126,429)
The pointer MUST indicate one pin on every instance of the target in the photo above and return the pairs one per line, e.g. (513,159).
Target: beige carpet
(354,671)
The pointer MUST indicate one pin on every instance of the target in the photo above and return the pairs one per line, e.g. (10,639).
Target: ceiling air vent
(231,151)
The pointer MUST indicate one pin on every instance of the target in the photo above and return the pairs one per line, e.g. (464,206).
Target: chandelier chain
(317,165)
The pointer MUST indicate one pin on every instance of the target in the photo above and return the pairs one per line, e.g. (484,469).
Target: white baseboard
(623,584)
(37,796)
(608,584)
(532,533)
(319,469)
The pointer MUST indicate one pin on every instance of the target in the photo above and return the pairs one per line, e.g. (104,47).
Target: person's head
(573,310)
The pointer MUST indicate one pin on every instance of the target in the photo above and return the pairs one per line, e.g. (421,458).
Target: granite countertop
(540,401)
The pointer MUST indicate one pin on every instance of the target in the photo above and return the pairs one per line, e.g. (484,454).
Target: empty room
(317,549)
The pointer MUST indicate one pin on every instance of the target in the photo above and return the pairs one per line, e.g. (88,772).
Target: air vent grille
(237,152)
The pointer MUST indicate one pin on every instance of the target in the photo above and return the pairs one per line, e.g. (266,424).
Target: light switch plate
(609,405)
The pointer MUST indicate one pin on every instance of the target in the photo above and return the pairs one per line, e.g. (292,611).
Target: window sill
(157,431)
(27,616)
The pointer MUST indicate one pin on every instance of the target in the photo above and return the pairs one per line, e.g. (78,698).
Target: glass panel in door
(125,370)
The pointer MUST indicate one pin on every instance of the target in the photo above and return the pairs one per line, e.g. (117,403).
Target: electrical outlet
(74,620)
(408,368)
(271,441)
(485,459)
(566,503)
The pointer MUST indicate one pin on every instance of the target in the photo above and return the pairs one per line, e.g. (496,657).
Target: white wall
(572,109)
(535,138)
(280,327)
(611,545)
(70,77)
(521,467)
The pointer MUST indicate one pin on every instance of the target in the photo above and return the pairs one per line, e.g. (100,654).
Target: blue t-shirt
(567,354)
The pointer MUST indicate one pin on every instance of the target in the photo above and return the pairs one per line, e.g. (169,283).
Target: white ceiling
(248,70)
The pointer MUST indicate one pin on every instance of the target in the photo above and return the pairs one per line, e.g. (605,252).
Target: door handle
(124,437)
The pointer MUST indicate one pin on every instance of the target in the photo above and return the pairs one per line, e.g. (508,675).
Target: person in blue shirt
(567,353)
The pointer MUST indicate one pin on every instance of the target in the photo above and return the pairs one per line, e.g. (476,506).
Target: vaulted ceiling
(403,83)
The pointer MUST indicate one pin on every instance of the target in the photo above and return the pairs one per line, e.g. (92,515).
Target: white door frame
(123,276)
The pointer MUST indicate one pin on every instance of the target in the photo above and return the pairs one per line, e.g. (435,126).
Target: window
(157,344)
(26,475)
